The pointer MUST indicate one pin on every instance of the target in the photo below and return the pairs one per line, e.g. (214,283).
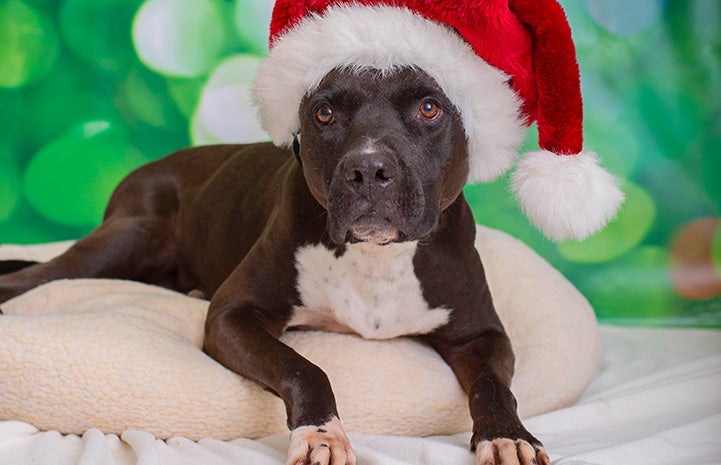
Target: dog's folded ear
(296,148)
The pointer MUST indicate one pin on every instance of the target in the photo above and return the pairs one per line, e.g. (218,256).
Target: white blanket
(656,400)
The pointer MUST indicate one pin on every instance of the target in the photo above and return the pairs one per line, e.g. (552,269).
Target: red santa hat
(503,63)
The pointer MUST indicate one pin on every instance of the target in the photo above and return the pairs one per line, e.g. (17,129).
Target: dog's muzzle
(371,199)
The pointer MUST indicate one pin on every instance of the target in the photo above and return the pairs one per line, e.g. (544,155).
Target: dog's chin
(378,235)
(377,231)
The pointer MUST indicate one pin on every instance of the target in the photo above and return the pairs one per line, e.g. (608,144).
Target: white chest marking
(370,290)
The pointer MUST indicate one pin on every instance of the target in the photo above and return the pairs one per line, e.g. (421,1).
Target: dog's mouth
(373,235)
(374,229)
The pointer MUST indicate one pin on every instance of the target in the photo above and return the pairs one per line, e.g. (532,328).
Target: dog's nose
(366,172)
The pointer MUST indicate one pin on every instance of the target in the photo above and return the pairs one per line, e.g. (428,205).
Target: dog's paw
(510,452)
(326,444)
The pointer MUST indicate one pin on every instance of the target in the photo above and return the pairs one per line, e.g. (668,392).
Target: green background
(90,90)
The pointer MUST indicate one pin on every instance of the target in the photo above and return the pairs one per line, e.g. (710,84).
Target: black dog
(368,233)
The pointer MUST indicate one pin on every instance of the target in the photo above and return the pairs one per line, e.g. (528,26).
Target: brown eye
(324,114)
(429,109)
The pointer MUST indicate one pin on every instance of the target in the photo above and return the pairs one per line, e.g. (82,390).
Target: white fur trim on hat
(387,38)
(566,196)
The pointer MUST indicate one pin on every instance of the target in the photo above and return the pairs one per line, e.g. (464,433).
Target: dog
(362,228)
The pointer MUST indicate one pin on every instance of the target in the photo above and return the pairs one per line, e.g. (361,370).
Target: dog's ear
(296,148)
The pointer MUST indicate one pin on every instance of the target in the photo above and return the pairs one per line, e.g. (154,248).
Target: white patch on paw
(320,445)
(370,290)
(504,451)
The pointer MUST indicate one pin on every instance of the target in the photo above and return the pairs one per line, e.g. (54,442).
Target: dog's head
(384,153)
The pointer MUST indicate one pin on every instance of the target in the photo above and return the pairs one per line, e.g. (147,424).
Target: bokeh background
(90,90)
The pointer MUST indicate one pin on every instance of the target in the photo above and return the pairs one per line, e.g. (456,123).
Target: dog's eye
(324,114)
(429,109)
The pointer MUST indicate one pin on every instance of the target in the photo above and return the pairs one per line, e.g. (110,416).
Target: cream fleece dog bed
(119,355)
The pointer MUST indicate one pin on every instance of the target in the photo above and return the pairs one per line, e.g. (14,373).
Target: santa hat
(503,63)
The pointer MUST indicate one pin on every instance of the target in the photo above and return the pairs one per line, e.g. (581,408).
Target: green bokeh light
(710,170)
(147,97)
(670,113)
(610,129)
(98,31)
(238,69)
(199,135)
(252,21)
(621,235)
(622,17)
(493,205)
(635,286)
(70,97)
(9,183)
(185,94)
(225,112)
(70,180)
(180,38)
(155,142)
(28,44)
(616,140)
(716,251)
(11,114)
(44,4)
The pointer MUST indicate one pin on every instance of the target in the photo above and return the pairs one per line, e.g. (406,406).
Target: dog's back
(162,224)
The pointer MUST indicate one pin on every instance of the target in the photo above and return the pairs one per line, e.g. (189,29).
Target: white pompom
(566,196)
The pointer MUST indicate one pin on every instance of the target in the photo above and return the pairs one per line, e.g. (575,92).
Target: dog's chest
(370,290)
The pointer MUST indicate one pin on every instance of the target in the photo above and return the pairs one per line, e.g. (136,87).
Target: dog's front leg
(247,343)
(484,367)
